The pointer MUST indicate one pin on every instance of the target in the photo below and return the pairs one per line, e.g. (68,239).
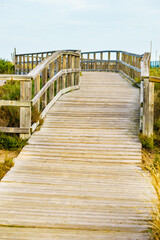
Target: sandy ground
(7,154)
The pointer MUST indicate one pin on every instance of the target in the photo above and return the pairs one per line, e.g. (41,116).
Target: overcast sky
(43,25)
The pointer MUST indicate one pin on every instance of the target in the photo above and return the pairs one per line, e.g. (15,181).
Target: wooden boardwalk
(78,178)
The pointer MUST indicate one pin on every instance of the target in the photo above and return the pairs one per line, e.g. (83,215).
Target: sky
(46,25)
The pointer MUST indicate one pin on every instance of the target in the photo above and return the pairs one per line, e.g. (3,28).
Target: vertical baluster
(16,64)
(27,63)
(101,66)
(23,64)
(51,88)
(44,81)
(36,59)
(109,58)
(69,67)
(20,64)
(64,75)
(88,64)
(32,61)
(95,65)
(78,67)
(72,66)
(58,86)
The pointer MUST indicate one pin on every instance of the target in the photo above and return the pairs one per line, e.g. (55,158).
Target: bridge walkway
(79,176)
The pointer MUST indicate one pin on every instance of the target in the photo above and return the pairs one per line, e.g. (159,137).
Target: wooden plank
(15,103)
(154,79)
(11,77)
(24,131)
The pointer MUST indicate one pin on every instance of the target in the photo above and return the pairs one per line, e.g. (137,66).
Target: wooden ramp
(78,178)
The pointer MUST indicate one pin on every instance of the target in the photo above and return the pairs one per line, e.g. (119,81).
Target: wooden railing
(132,66)
(55,75)
(24,63)
(128,64)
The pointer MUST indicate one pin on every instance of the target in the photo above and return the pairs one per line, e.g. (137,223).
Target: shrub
(6,67)
(147,142)
(11,142)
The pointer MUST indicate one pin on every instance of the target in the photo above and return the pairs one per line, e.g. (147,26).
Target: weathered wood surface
(78,178)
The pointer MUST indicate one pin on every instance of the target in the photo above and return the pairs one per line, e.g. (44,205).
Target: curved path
(78,178)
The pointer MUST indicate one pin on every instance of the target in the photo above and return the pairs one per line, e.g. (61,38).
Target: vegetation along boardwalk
(79,176)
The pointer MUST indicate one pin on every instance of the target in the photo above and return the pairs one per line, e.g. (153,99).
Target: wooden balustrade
(132,66)
(128,64)
(53,86)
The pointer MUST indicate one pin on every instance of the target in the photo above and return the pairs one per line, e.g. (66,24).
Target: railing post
(117,63)
(51,88)
(148,97)
(44,81)
(36,90)
(72,74)
(82,64)
(77,74)
(58,86)
(64,75)
(25,112)
(36,59)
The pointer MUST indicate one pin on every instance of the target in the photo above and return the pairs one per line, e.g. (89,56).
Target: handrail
(39,68)
(154,79)
(67,78)
(127,64)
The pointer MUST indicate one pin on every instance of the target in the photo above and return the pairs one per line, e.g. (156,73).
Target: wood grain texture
(79,176)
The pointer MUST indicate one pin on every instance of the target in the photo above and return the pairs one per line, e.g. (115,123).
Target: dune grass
(5,166)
